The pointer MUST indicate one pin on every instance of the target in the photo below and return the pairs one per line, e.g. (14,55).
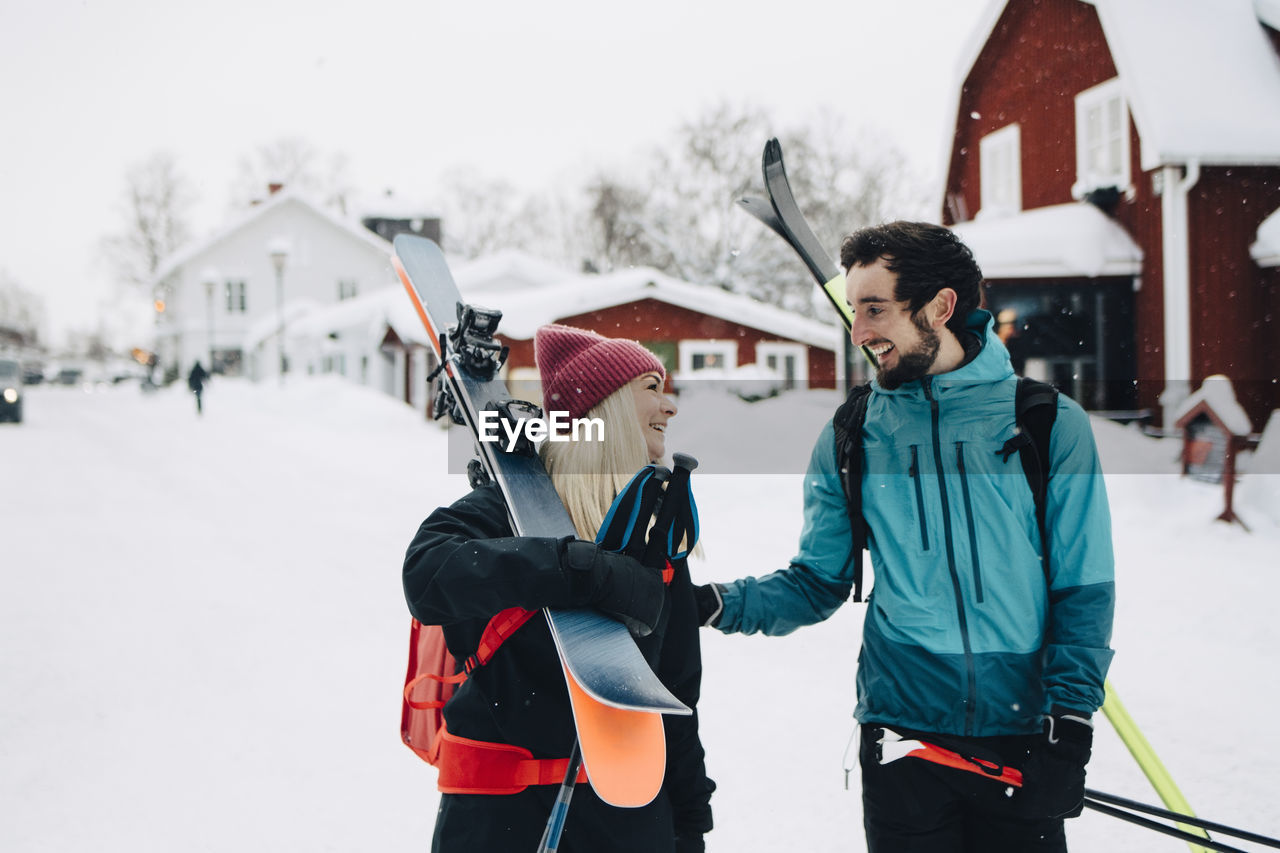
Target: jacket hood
(991,364)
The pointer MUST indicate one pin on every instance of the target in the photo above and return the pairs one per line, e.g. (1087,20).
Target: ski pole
(1195,840)
(1145,755)
(1191,820)
(560,810)
(675,500)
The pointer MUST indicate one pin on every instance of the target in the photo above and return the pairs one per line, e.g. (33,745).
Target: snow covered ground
(202,632)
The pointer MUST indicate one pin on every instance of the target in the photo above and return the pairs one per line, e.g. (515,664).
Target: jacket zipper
(971,675)
(915,479)
(968,512)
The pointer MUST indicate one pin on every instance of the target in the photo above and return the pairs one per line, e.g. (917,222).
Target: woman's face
(653,409)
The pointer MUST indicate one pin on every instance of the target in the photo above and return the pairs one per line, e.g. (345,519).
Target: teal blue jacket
(961,635)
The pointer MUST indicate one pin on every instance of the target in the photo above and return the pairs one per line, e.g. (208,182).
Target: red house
(696,330)
(1116,169)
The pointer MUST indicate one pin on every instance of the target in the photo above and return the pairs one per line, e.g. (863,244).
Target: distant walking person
(195,381)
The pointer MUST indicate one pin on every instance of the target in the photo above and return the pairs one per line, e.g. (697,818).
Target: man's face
(905,345)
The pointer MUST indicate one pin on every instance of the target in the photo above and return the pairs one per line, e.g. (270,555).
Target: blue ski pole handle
(676,501)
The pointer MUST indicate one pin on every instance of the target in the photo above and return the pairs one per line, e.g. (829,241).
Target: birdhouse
(1214,428)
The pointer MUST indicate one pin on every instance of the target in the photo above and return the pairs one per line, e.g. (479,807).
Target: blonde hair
(589,474)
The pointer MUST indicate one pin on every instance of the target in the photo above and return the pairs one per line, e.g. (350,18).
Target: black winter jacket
(463,566)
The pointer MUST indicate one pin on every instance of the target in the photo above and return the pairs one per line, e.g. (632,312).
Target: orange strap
(479,767)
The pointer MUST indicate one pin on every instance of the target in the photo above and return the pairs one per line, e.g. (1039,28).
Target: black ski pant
(915,806)
(514,823)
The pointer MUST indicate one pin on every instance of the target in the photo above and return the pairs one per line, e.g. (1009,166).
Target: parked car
(10,390)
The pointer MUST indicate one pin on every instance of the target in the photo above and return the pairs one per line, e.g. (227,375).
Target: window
(1102,139)
(708,355)
(237,296)
(1000,162)
(347,288)
(789,361)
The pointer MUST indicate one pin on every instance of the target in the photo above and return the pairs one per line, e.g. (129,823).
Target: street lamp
(278,249)
(210,279)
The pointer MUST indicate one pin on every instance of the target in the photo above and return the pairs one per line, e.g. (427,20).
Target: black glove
(709,602)
(1053,779)
(614,583)
(690,844)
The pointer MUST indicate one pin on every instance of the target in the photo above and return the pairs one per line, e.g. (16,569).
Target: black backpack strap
(1035,408)
(847,423)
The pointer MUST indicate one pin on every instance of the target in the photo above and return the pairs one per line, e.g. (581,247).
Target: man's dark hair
(926,259)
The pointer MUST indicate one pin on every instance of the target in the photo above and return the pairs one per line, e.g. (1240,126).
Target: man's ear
(941,307)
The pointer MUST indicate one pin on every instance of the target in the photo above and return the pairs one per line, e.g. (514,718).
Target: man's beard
(915,364)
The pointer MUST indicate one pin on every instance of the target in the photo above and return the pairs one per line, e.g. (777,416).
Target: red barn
(694,329)
(1116,169)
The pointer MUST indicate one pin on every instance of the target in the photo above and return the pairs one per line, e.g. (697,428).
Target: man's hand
(710,603)
(1053,780)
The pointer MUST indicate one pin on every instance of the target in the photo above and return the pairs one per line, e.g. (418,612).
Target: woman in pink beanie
(465,565)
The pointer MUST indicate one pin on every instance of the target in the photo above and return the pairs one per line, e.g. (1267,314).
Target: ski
(782,215)
(617,699)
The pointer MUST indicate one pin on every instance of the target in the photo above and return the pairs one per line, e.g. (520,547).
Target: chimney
(274,188)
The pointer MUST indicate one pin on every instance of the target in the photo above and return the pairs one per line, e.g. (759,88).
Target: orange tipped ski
(625,752)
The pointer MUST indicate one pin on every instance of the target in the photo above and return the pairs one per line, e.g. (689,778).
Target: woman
(464,565)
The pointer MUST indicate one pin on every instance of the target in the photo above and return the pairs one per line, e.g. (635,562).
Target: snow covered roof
(1201,78)
(387,306)
(525,310)
(266,327)
(284,197)
(1220,396)
(1059,241)
(506,270)
(531,293)
(1266,249)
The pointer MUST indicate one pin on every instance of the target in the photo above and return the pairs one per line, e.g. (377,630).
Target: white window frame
(237,297)
(727,350)
(1000,171)
(1102,133)
(783,349)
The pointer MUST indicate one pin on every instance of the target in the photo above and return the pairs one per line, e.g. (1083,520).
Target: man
(195,381)
(969,642)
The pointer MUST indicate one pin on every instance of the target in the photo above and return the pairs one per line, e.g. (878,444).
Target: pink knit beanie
(580,368)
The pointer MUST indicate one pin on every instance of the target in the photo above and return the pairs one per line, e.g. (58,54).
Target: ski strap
(893,746)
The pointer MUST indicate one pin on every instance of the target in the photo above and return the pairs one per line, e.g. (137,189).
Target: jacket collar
(990,365)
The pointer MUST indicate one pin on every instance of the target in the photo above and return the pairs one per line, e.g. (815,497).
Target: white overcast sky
(528,92)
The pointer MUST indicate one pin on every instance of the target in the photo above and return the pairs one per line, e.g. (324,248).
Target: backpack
(434,675)
(1035,408)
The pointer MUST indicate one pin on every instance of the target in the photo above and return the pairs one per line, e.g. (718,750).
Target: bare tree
(687,222)
(153,214)
(614,231)
(21,311)
(482,215)
(295,163)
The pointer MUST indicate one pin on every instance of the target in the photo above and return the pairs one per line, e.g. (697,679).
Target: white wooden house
(224,300)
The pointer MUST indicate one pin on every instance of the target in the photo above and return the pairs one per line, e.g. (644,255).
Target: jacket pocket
(918,486)
(968,514)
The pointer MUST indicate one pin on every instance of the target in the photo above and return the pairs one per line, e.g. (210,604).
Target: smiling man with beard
(980,641)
